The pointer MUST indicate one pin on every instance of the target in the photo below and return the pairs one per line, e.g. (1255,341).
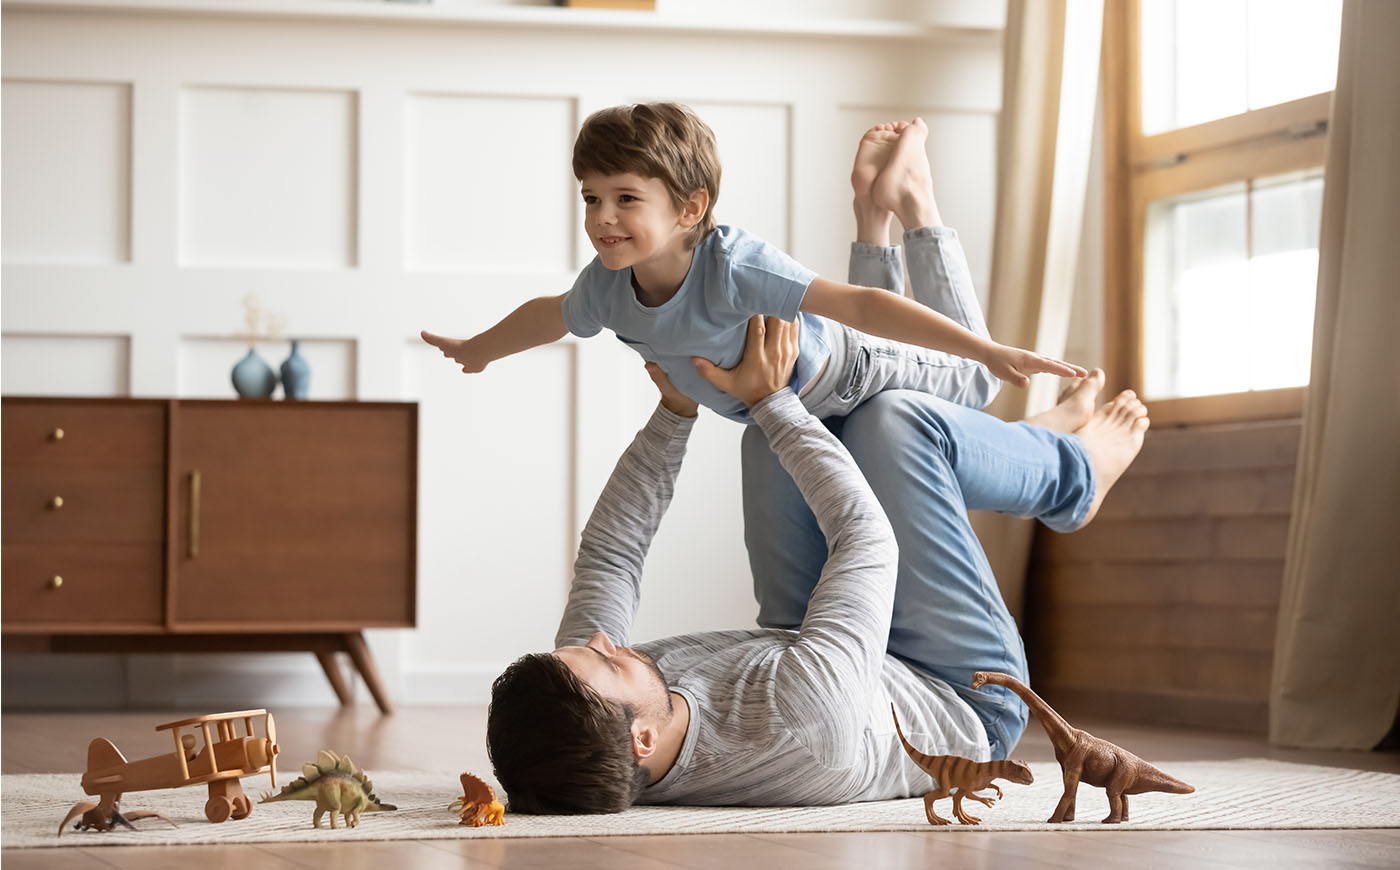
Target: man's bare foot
(1075,407)
(1113,436)
(905,185)
(873,152)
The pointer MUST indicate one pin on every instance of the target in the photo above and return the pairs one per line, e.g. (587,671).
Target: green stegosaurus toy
(336,785)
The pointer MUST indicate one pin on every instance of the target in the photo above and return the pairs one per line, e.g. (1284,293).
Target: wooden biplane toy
(220,761)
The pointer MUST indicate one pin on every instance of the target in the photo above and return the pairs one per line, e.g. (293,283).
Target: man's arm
(826,677)
(607,584)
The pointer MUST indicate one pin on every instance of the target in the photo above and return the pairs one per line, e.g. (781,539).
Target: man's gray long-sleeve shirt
(778,717)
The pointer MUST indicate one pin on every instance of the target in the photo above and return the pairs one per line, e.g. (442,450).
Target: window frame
(1141,169)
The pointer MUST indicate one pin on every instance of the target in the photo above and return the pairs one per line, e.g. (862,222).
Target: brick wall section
(1164,608)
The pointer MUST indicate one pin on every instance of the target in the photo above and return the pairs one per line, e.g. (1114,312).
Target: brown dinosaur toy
(960,778)
(1082,756)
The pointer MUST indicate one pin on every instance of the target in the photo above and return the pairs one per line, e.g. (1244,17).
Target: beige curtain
(1044,139)
(1336,679)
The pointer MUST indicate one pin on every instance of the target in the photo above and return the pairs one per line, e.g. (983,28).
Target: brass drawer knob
(57,502)
(55,581)
(57,434)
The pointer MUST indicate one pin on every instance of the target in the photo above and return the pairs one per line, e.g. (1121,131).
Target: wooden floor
(453,737)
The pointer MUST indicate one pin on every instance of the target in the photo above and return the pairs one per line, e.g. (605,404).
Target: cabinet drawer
(103,584)
(94,432)
(67,504)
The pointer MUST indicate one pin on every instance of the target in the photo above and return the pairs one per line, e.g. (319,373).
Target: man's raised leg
(785,544)
(928,462)
(874,261)
(938,273)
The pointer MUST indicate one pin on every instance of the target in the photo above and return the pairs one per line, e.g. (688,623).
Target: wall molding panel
(366,181)
(486,188)
(33,364)
(67,171)
(267,178)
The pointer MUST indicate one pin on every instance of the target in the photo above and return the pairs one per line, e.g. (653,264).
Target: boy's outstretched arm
(539,321)
(901,319)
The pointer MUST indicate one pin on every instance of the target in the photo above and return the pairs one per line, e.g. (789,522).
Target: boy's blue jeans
(928,461)
(861,365)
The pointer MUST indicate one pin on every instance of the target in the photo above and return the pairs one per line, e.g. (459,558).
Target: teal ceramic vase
(253,378)
(296,373)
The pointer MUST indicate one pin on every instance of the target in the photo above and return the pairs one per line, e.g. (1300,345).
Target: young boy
(680,289)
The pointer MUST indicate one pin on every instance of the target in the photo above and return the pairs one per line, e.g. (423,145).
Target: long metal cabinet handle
(194,514)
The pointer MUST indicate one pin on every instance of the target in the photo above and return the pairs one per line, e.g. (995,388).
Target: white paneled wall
(267,178)
(67,162)
(488,183)
(65,365)
(367,177)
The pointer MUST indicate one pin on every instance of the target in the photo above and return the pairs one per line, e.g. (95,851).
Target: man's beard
(664,707)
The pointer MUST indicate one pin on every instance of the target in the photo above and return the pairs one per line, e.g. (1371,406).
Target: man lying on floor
(797,712)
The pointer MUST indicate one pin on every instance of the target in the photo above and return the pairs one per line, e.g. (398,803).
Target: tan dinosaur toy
(1082,756)
(478,805)
(336,785)
(960,777)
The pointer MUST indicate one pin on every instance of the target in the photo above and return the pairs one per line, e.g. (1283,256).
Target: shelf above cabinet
(533,17)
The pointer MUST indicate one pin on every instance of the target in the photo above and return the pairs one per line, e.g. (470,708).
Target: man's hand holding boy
(770,351)
(672,399)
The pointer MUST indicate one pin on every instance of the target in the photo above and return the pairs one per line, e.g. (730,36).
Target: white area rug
(1245,793)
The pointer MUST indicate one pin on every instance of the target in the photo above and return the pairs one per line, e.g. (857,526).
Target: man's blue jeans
(929,461)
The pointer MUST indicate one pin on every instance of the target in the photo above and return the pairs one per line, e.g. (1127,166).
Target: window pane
(1285,220)
(1229,279)
(1293,48)
(1208,59)
(1195,277)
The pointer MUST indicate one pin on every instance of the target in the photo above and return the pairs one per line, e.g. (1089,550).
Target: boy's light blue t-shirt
(733,275)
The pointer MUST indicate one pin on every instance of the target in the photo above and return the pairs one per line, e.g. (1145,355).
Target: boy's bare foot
(1113,436)
(1075,407)
(905,185)
(873,152)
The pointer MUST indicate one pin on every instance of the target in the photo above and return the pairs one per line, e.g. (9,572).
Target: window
(1216,112)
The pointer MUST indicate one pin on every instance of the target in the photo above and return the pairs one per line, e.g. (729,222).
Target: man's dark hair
(556,745)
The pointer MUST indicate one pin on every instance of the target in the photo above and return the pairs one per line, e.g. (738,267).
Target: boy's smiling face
(632,221)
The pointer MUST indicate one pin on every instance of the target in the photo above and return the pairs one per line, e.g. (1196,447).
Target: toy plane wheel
(242,807)
(218,808)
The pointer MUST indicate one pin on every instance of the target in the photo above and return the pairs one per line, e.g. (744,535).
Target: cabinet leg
(336,677)
(359,654)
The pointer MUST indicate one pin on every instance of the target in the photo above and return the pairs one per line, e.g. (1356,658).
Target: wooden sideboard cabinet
(145,525)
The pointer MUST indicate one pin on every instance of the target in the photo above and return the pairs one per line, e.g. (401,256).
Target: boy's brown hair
(665,141)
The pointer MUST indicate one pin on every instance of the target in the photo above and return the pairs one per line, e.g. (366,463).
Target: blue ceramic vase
(253,378)
(296,373)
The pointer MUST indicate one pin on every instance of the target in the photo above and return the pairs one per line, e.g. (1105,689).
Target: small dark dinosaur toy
(1082,756)
(105,816)
(960,778)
